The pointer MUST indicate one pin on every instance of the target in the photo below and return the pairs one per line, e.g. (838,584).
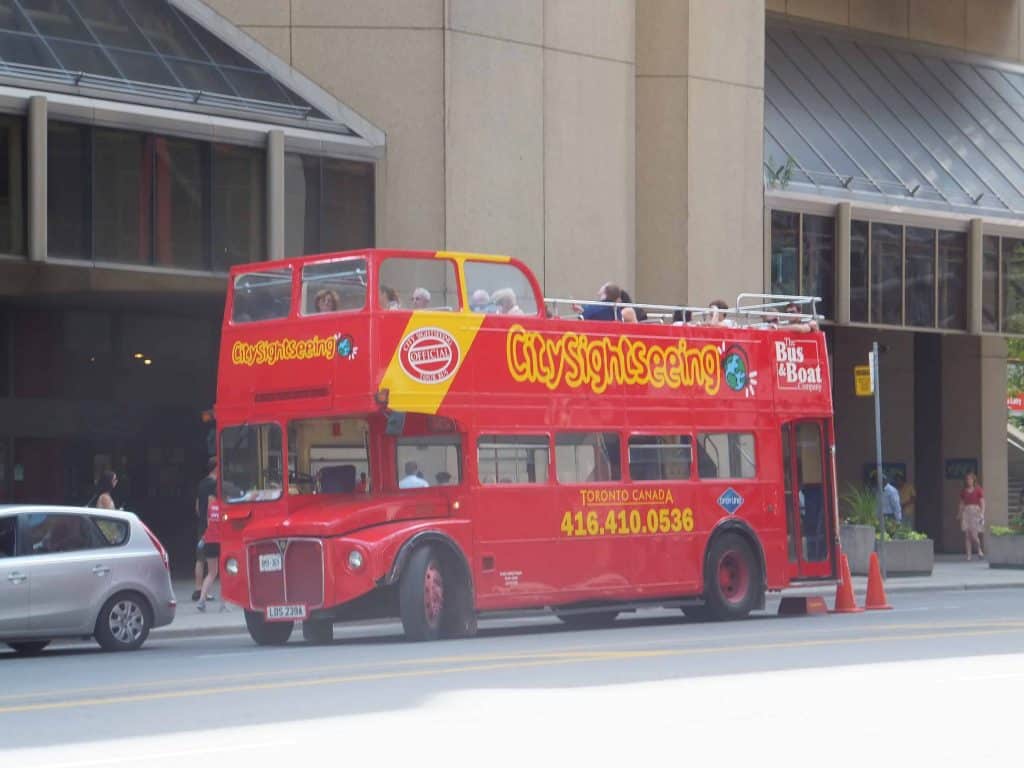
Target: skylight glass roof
(874,120)
(144,47)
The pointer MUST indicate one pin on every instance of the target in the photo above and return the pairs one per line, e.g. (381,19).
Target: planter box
(1005,551)
(909,558)
(858,542)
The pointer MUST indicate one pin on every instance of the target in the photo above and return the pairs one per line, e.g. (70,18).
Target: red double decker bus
(415,435)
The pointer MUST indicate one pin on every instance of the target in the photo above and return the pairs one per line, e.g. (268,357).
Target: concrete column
(700,137)
(844,216)
(37,178)
(975,276)
(275,194)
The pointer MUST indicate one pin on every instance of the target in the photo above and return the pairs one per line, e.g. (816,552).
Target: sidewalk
(951,572)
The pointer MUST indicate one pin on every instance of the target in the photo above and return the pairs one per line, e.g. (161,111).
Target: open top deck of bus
(443,333)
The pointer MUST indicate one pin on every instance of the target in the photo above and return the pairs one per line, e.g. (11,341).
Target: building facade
(867,151)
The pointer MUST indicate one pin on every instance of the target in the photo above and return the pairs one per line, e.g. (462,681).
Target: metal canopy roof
(140,48)
(875,120)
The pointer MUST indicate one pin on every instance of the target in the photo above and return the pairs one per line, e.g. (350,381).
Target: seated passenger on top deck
(326,300)
(505,301)
(421,299)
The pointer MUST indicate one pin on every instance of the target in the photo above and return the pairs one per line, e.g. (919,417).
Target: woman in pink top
(972,513)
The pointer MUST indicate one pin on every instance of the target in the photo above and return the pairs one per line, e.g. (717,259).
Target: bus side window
(587,457)
(415,283)
(423,462)
(514,459)
(495,288)
(659,457)
(726,454)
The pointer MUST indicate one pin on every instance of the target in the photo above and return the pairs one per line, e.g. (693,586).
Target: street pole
(878,454)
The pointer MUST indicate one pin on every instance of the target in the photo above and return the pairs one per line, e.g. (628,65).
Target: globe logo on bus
(429,355)
(735,368)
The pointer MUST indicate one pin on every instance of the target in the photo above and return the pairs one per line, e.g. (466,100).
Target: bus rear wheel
(265,632)
(732,579)
(422,599)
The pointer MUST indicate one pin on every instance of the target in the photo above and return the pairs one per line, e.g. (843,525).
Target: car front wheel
(124,622)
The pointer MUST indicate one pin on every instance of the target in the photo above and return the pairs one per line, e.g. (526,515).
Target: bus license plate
(285,612)
(270,563)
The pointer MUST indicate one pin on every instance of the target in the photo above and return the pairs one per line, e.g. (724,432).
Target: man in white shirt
(411,479)
(891,501)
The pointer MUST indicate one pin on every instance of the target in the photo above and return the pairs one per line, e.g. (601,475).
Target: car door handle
(15,577)
(100,570)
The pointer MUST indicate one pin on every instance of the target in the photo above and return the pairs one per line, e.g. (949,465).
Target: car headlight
(231,566)
(355,559)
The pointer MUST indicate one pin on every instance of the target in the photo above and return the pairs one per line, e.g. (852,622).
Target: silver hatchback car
(72,572)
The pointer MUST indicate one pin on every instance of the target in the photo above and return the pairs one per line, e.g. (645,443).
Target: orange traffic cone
(845,602)
(876,599)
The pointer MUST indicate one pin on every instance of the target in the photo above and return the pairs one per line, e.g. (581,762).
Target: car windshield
(251,463)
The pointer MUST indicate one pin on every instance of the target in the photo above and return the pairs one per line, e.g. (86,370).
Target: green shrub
(899,532)
(1015,527)
(859,506)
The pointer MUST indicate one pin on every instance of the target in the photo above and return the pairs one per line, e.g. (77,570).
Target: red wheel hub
(433,593)
(733,577)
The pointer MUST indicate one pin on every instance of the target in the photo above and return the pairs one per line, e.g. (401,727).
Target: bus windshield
(251,463)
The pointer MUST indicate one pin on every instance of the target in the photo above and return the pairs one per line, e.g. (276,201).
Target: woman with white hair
(505,301)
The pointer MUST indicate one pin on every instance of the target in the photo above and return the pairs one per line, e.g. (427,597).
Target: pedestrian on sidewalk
(972,513)
(207,490)
(103,498)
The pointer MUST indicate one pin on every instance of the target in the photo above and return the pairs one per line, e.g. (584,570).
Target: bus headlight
(355,559)
(231,566)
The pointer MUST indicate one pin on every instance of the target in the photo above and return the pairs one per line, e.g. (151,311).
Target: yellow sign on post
(862,381)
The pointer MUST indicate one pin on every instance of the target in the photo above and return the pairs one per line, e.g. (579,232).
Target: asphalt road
(938,679)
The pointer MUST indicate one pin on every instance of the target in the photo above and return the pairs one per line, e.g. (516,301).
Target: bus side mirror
(396,423)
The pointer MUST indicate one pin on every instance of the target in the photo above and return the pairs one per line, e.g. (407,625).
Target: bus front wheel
(421,595)
(265,632)
(732,581)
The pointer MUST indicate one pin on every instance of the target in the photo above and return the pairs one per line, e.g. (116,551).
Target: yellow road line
(572,650)
(546,660)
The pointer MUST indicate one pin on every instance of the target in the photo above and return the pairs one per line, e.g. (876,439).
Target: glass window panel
(726,454)
(143,67)
(217,50)
(181,223)
(53,18)
(334,286)
(114,533)
(953,280)
(13,217)
(990,283)
(68,191)
(43,533)
(239,200)
(886,274)
(81,57)
(123,176)
(109,23)
(513,459)
(346,220)
(425,461)
(587,457)
(264,295)
(301,204)
(819,254)
(499,288)
(328,456)
(25,49)
(255,85)
(785,253)
(12,18)
(659,457)
(200,77)
(8,524)
(250,463)
(418,284)
(811,494)
(164,29)
(859,271)
(1013,285)
(920,277)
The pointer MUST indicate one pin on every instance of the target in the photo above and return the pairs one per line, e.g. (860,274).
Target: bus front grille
(299,580)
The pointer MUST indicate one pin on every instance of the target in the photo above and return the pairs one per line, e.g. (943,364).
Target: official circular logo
(735,368)
(429,355)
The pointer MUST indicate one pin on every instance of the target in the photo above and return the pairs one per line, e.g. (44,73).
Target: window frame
(700,435)
(689,445)
(24,547)
(559,481)
(246,498)
(431,439)
(305,286)
(511,442)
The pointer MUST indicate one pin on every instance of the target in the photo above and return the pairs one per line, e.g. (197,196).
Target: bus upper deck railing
(751,310)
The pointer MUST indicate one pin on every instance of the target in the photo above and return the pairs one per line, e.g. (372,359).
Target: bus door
(515,530)
(808,487)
